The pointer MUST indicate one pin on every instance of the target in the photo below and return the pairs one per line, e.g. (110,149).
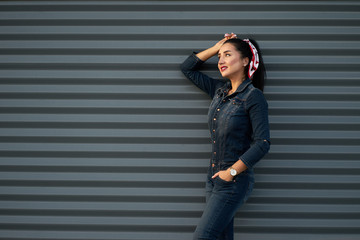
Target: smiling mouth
(223,68)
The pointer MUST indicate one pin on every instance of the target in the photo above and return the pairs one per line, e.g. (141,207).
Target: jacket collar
(242,86)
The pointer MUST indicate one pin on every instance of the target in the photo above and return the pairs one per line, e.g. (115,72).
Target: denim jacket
(238,123)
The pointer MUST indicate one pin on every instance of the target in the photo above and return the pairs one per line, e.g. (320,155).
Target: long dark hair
(258,79)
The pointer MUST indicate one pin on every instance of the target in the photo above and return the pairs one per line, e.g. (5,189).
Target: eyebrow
(224,52)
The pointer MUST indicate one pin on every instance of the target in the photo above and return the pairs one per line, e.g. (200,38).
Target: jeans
(223,199)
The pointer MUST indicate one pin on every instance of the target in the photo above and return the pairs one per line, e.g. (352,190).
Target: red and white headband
(254,63)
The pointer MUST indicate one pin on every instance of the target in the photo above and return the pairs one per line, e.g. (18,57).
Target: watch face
(232,172)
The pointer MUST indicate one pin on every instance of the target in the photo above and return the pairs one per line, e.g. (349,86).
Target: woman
(239,128)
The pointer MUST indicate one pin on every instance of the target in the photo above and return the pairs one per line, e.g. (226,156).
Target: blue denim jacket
(238,123)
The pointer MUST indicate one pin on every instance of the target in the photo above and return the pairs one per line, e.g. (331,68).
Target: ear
(245,61)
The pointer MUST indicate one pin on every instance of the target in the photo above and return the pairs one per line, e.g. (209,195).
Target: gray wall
(103,138)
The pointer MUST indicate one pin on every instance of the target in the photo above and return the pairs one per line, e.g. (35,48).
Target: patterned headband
(254,63)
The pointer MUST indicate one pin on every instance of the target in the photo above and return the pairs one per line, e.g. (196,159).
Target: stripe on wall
(102,137)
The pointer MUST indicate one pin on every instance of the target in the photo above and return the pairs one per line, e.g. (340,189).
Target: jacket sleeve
(257,108)
(190,68)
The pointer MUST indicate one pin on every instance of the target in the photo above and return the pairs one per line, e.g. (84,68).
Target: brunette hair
(258,79)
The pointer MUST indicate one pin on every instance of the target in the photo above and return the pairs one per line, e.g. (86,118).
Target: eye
(227,55)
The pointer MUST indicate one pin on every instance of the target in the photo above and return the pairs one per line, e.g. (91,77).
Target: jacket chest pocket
(237,107)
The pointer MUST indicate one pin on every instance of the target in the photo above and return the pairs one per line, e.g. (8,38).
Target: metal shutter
(103,138)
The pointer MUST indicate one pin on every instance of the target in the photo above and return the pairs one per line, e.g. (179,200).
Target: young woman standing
(239,128)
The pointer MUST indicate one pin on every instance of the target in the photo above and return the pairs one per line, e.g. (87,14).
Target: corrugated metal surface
(103,138)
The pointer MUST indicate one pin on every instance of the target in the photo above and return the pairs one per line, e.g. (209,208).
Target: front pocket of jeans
(222,181)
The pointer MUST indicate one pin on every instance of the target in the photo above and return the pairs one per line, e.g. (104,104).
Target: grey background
(101,136)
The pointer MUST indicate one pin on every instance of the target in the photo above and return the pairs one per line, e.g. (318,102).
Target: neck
(236,82)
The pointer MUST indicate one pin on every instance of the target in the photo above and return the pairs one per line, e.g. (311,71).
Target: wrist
(214,49)
(208,53)
(233,172)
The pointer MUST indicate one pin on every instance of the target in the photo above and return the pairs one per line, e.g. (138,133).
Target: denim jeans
(223,199)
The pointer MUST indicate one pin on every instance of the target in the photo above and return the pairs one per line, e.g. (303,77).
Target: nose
(221,61)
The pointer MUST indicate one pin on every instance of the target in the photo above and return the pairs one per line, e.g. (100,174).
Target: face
(231,64)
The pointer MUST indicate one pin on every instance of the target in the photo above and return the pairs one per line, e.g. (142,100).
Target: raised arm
(212,51)
(190,68)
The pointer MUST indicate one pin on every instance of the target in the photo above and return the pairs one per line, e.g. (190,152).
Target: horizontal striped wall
(102,137)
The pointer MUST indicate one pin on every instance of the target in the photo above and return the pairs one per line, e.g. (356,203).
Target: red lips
(223,68)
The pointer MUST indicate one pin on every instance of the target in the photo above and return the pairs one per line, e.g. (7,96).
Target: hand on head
(227,36)
(230,35)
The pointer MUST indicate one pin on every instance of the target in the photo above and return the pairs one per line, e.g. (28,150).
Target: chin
(224,75)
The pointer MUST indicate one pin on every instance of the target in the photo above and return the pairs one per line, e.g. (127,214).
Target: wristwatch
(233,172)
